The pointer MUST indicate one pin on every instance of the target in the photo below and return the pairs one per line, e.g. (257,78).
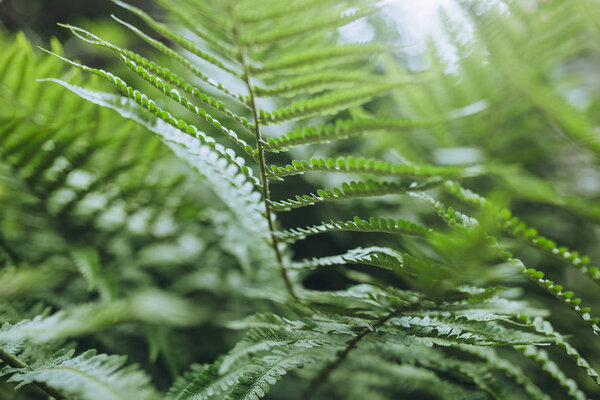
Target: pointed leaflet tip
(47,51)
(127,6)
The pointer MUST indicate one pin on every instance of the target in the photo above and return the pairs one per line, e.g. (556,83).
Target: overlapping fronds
(267,101)
(88,376)
(88,191)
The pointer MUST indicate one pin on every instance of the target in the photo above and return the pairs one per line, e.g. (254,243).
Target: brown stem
(318,380)
(329,368)
(261,161)
(14,362)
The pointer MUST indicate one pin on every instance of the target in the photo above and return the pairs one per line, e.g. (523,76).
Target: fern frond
(180,59)
(226,171)
(266,339)
(485,306)
(350,190)
(376,256)
(544,327)
(418,372)
(266,321)
(203,382)
(150,105)
(477,375)
(120,229)
(151,307)
(221,46)
(398,227)
(88,263)
(465,223)
(61,145)
(329,103)
(211,15)
(361,165)
(330,55)
(265,372)
(541,356)
(493,361)
(174,94)
(326,21)
(246,14)
(175,38)
(142,66)
(251,378)
(461,330)
(452,217)
(341,129)
(315,321)
(89,376)
(519,229)
(566,297)
(315,83)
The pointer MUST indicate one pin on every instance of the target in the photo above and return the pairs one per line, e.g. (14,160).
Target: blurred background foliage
(38,19)
(524,106)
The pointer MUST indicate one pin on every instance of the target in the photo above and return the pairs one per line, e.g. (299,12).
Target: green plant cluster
(248,206)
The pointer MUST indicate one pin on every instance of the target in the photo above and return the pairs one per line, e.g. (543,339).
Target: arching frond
(156,237)
(89,376)
(357,225)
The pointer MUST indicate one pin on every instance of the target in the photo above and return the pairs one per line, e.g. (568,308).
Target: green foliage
(138,208)
(88,376)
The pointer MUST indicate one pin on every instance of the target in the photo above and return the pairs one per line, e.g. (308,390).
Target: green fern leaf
(89,376)
(341,129)
(357,225)
(360,166)
(350,190)
(175,38)
(265,372)
(541,356)
(212,159)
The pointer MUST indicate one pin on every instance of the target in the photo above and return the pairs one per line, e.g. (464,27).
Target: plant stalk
(318,380)
(14,362)
(266,194)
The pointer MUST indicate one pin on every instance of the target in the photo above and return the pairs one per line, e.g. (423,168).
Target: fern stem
(318,380)
(261,159)
(14,362)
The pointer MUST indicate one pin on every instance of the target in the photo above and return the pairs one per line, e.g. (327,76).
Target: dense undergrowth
(248,195)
